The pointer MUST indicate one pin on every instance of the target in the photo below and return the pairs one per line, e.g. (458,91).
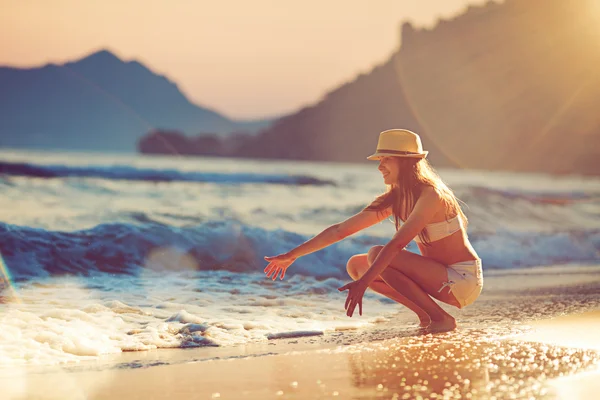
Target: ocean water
(110,253)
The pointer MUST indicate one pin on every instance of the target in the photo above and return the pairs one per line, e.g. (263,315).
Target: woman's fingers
(272,270)
(274,267)
(351,308)
(269,267)
(352,300)
(351,304)
(277,271)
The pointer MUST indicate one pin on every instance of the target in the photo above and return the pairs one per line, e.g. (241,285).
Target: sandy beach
(531,335)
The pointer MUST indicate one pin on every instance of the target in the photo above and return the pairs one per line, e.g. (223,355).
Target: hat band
(396,151)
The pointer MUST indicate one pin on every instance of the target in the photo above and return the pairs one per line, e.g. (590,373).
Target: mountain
(511,86)
(98,103)
(503,86)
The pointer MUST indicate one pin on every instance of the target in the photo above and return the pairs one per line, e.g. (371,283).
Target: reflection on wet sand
(464,364)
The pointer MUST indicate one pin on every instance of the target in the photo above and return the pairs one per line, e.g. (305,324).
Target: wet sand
(530,335)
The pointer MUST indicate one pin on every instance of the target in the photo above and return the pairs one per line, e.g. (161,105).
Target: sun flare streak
(7,290)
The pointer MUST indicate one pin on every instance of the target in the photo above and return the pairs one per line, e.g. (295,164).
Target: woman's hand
(356,291)
(278,264)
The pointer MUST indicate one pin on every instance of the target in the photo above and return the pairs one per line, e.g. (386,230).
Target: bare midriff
(451,249)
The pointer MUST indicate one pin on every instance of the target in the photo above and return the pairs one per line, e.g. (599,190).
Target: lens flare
(8,294)
(170,259)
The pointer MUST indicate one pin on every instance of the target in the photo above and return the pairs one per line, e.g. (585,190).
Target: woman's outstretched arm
(337,232)
(334,233)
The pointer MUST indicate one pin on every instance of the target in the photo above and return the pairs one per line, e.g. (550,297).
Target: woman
(424,209)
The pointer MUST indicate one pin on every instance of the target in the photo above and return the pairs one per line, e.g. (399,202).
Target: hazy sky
(244,58)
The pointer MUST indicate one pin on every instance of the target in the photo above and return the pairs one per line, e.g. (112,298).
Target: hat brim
(378,155)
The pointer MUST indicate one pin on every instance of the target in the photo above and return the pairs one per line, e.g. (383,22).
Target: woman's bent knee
(354,266)
(373,253)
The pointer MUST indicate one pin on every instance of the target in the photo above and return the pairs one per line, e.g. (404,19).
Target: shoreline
(447,365)
(502,348)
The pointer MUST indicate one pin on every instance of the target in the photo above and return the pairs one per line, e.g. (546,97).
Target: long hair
(414,175)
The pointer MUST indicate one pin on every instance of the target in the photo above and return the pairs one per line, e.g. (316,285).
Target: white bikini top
(442,229)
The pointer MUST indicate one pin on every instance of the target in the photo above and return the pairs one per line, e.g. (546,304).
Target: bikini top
(440,230)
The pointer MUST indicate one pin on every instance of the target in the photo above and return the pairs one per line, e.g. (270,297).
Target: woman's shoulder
(381,202)
(439,196)
(430,192)
(432,198)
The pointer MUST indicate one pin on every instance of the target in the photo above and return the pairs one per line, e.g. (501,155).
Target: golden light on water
(593,7)
(575,331)
(581,386)
(578,331)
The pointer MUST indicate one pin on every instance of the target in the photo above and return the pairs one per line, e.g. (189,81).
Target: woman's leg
(359,264)
(416,278)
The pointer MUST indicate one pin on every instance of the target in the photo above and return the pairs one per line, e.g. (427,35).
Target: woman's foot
(444,325)
(424,321)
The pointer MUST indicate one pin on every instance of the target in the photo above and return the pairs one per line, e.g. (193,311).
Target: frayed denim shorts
(465,281)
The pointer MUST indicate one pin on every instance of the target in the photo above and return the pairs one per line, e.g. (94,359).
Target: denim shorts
(465,281)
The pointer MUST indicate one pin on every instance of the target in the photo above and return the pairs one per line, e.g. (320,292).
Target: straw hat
(398,143)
